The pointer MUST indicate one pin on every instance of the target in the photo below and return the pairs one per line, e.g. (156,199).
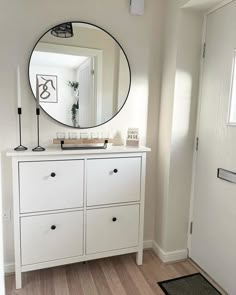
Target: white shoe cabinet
(72,206)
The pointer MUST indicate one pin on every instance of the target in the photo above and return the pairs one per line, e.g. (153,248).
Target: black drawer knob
(114,219)
(53,227)
(53,174)
(115,170)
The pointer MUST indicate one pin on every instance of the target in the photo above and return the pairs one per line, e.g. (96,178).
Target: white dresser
(72,206)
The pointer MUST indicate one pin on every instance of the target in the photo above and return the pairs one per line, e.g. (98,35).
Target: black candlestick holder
(38,148)
(20,148)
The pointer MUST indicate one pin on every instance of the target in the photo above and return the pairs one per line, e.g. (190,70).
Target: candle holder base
(20,148)
(38,149)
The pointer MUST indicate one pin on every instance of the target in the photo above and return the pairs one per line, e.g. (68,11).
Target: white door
(213,242)
(87,114)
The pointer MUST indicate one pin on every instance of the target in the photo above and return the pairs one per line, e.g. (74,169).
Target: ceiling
(52,59)
(202,5)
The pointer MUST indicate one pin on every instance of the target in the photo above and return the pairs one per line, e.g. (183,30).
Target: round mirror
(79,74)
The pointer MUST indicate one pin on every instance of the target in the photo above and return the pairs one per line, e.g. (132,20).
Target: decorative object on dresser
(76,206)
(20,147)
(72,135)
(132,137)
(38,148)
(84,143)
(61,135)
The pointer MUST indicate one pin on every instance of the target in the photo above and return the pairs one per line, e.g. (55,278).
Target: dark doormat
(194,284)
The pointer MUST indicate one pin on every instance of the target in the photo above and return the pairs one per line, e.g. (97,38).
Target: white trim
(171,256)
(2,282)
(218,6)
(231,90)
(147,244)
(195,153)
(87,26)
(9,268)
(66,49)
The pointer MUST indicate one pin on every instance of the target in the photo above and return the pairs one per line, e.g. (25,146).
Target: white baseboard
(169,256)
(9,268)
(149,244)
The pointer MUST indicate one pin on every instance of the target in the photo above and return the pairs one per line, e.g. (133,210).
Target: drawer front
(112,228)
(51,237)
(51,185)
(112,181)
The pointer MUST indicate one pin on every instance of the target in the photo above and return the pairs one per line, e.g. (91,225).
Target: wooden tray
(82,141)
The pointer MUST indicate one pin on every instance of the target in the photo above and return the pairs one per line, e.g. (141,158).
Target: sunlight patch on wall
(139,100)
(182,104)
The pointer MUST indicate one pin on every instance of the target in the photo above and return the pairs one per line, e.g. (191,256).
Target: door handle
(226,175)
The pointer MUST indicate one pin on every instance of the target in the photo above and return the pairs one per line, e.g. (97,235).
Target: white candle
(18,88)
(37,93)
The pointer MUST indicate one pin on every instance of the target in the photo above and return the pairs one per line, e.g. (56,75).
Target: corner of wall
(169,53)
(180,77)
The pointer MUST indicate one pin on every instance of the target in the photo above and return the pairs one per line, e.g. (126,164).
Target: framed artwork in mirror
(85,74)
(46,88)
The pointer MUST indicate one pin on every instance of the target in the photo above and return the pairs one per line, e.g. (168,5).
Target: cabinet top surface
(51,151)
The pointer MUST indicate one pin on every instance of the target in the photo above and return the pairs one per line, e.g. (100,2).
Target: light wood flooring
(109,276)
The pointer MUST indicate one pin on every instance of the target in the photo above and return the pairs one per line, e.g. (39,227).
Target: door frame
(2,265)
(92,94)
(195,154)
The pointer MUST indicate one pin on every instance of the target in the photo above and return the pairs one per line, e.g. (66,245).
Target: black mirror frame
(130,81)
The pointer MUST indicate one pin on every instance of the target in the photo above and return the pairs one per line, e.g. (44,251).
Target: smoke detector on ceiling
(137,7)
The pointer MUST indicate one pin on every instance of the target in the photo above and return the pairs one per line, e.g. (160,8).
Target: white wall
(123,78)
(165,123)
(140,37)
(183,127)
(178,108)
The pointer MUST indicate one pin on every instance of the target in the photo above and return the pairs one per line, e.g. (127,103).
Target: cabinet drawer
(51,237)
(51,185)
(112,228)
(113,180)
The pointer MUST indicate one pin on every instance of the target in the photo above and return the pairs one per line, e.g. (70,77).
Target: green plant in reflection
(75,106)
(74,111)
(74,85)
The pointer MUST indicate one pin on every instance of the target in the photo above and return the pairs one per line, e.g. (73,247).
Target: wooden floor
(109,276)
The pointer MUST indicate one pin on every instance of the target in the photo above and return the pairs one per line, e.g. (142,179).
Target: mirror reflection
(80,78)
